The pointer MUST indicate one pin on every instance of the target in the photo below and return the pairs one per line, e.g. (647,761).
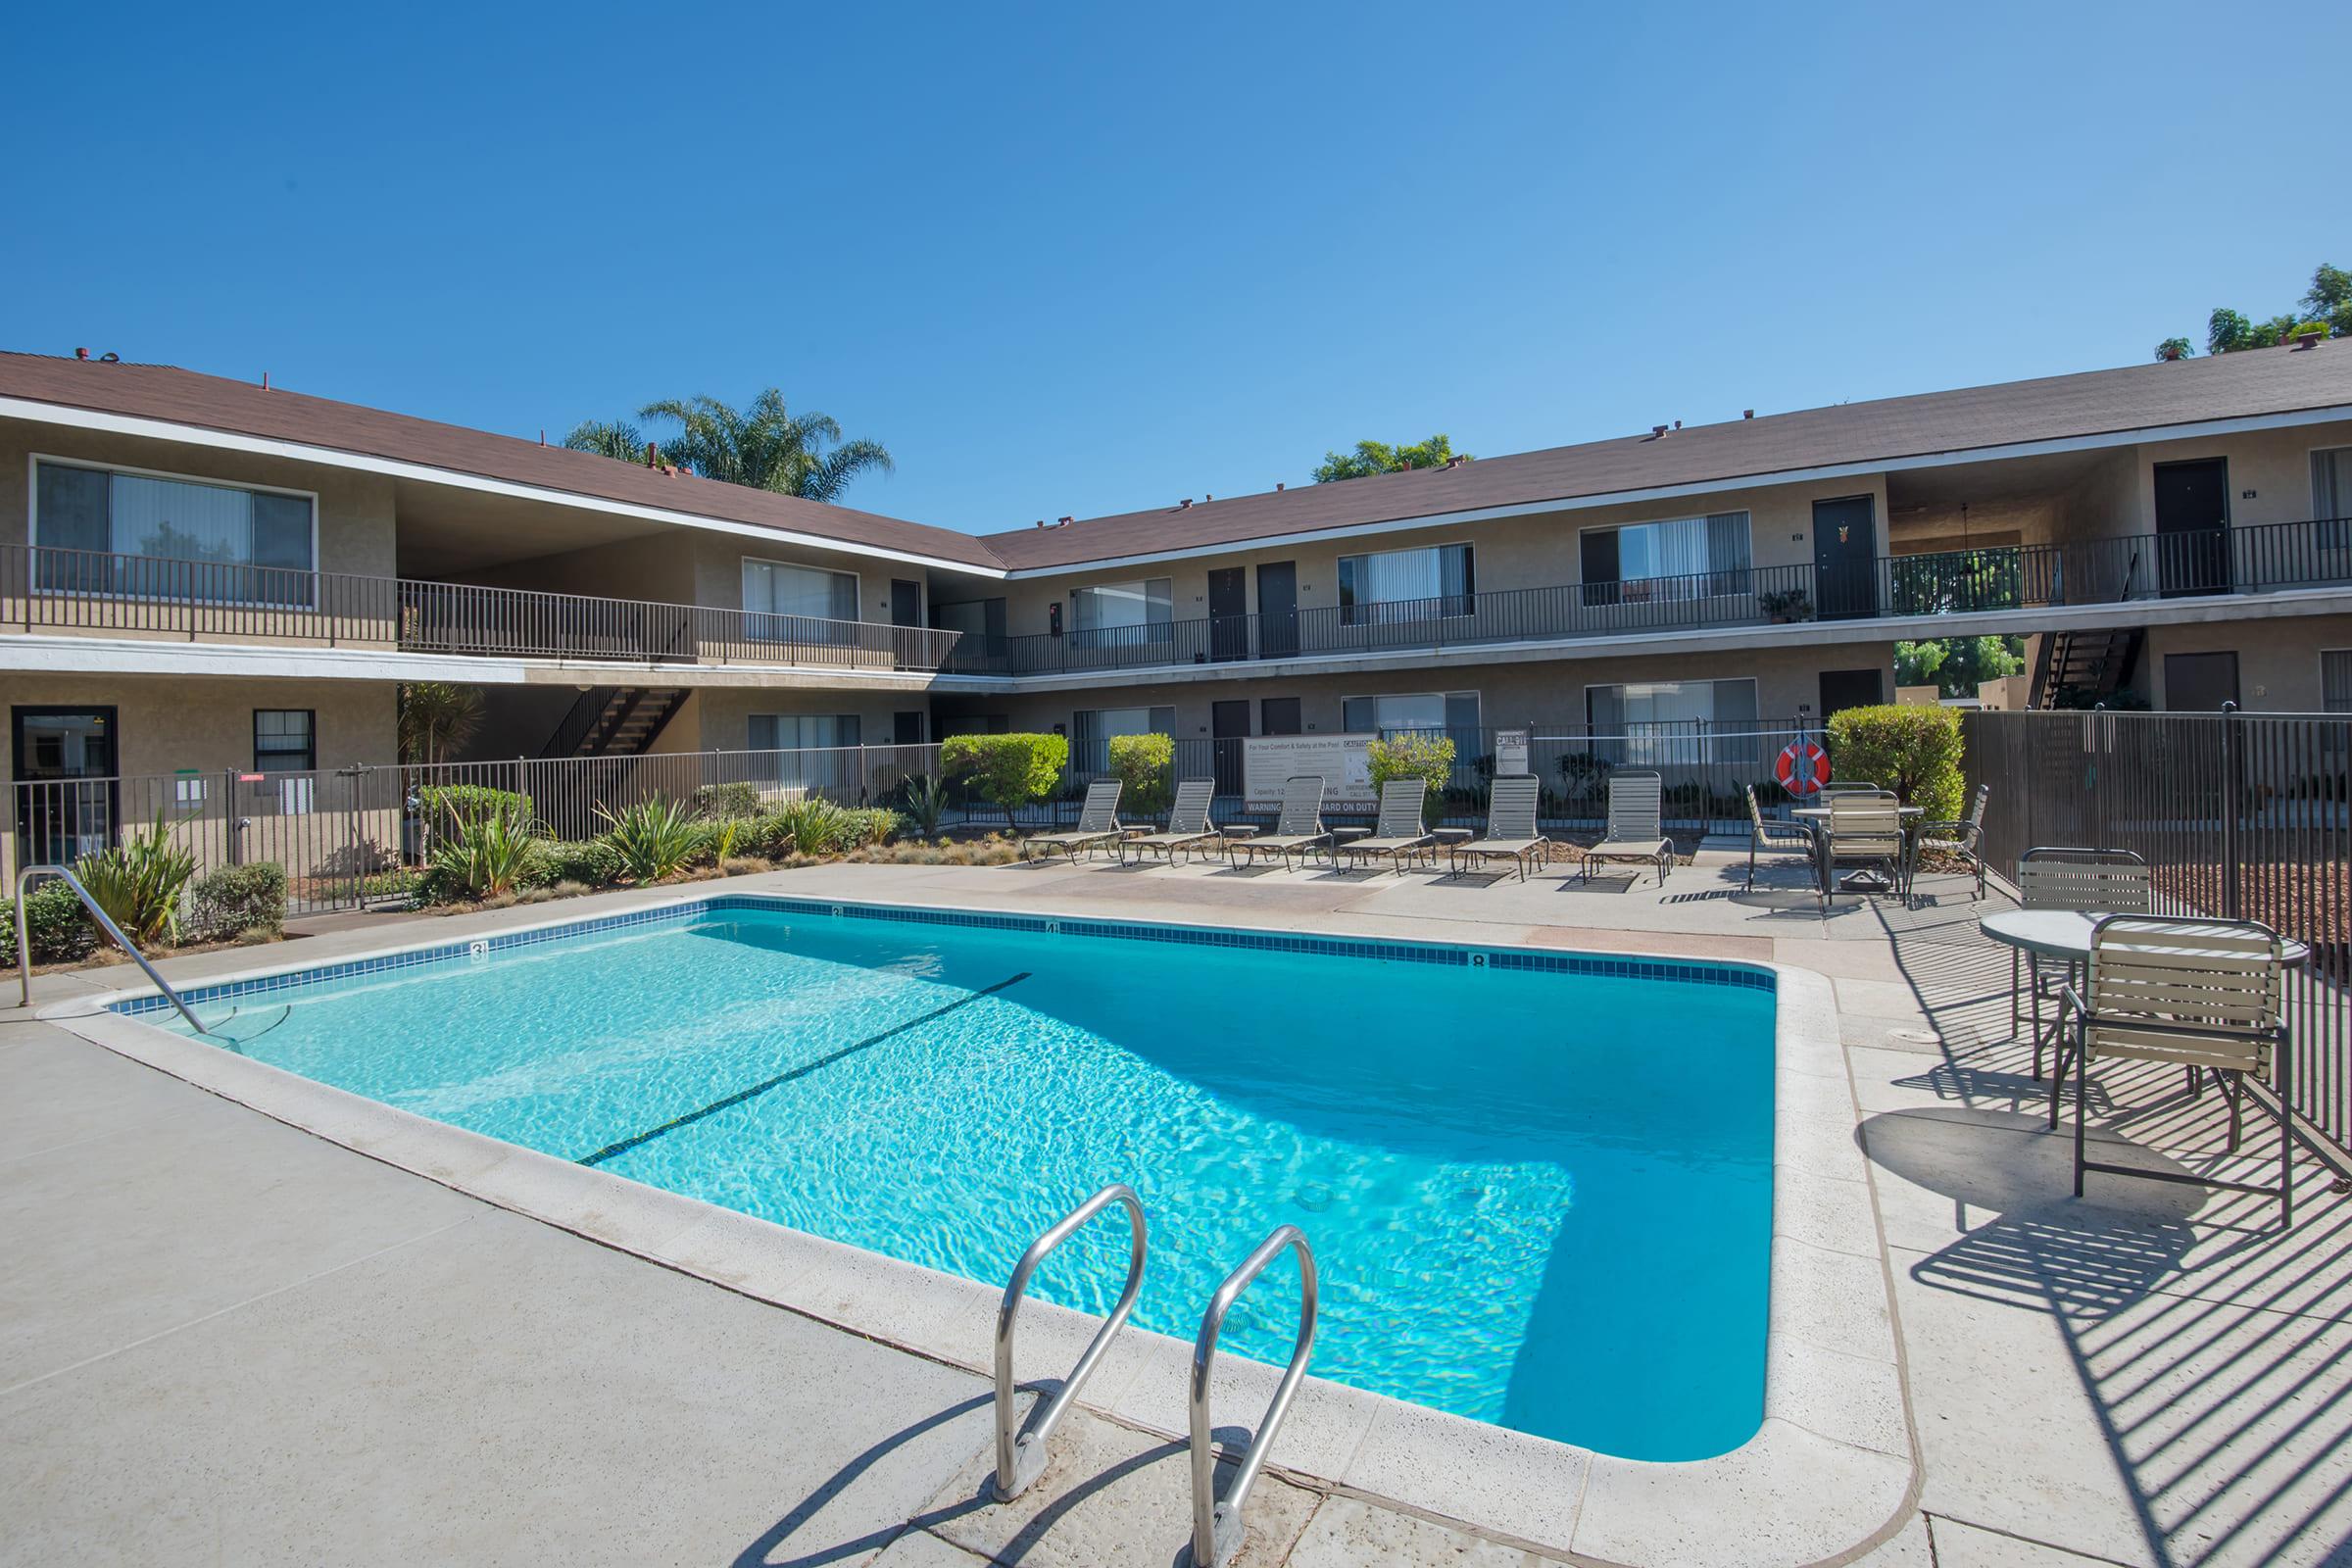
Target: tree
(608,438)
(2327,303)
(436,718)
(1007,770)
(1910,748)
(1427,757)
(2171,348)
(1378,456)
(1955,666)
(764,447)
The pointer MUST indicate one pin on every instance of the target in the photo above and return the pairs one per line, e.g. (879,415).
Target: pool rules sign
(1510,753)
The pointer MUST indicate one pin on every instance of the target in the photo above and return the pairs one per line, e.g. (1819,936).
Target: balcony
(141,597)
(2138,567)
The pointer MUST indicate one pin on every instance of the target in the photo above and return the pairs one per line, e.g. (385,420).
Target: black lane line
(802,1071)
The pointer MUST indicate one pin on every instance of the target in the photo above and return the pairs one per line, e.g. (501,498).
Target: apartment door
(906,728)
(68,796)
(2199,683)
(1276,609)
(1228,729)
(1850,688)
(2192,527)
(1845,559)
(1229,613)
(905,609)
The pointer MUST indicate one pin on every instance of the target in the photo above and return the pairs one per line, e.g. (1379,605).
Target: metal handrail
(104,922)
(1217,1522)
(1021,1459)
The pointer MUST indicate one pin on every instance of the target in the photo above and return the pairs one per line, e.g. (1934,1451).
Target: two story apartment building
(201,576)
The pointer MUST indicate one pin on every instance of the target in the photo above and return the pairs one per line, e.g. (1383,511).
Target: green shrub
(139,881)
(1008,771)
(1146,765)
(813,826)
(723,838)
(56,926)
(867,825)
(447,807)
(1427,757)
(1910,748)
(237,899)
(592,863)
(923,800)
(654,839)
(490,855)
(727,800)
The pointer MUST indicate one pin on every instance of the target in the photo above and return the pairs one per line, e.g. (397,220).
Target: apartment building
(206,578)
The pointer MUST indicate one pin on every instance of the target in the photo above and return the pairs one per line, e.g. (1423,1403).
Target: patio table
(1861,881)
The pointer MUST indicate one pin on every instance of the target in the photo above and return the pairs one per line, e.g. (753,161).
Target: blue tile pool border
(1521,959)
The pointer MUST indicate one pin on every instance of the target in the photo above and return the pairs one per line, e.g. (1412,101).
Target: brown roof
(215,403)
(2263,381)
(2054,408)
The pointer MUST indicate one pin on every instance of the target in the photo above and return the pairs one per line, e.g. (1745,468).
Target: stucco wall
(2278,660)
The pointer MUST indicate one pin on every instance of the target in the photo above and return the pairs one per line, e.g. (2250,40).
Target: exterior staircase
(614,721)
(2084,668)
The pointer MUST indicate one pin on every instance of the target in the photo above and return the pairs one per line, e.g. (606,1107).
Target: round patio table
(1859,881)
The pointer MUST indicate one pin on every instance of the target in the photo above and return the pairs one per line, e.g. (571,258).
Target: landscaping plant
(1146,765)
(1910,748)
(239,899)
(56,927)
(1427,757)
(924,800)
(727,800)
(654,839)
(490,855)
(139,881)
(1008,771)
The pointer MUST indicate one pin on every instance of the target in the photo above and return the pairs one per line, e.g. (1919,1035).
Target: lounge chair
(1636,804)
(1098,825)
(1188,824)
(1865,830)
(1771,836)
(1402,835)
(1299,830)
(2086,881)
(2204,995)
(1961,837)
(1511,832)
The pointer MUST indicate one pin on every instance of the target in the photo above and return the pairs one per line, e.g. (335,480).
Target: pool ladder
(1217,1529)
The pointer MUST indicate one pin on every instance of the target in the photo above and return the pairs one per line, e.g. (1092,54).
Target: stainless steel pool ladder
(1217,1529)
(1021,1458)
(105,923)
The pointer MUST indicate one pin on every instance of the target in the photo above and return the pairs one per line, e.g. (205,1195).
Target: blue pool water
(1538,1199)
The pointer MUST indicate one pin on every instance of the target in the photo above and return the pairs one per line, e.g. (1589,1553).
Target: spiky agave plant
(138,882)
(653,838)
(488,856)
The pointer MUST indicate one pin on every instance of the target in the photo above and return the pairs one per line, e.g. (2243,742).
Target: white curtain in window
(772,588)
(1106,606)
(174,521)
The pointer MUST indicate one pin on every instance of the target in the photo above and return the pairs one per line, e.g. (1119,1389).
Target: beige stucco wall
(2278,660)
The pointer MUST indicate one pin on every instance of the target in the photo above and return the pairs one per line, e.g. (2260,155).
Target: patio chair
(2087,881)
(1770,836)
(1961,838)
(2204,995)
(1864,830)
(1299,830)
(1098,825)
(1188,824)
(1402,835)
(1635,806)
(1511,832)
(1853,787)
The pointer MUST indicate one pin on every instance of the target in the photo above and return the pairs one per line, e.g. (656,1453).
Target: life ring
(1803,768)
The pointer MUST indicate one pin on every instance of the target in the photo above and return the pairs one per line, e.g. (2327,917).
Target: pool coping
(1831,1472)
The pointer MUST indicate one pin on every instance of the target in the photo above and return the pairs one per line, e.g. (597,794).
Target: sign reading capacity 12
(1341,761)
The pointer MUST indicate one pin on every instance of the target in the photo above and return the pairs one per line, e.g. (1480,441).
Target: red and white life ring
(1803,768)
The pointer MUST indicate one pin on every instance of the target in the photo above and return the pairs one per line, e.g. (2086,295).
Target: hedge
(55,924)
(1008,771)
(1910,748)
(237,899)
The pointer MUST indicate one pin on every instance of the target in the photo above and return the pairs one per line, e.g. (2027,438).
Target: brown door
(2199,683)
(1845,559)
(1228,729)
(1229,613)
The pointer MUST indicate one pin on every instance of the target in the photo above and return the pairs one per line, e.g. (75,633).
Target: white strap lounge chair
(1298,831)
(1402,836)
(1188,825)
(1636,804)
(2204,995)
(1511,833)
(1097,826)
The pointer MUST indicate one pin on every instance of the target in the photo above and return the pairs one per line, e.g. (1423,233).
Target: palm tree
(614,438)
(765,446)
(436,718)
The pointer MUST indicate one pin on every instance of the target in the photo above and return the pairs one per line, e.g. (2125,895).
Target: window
(2335,680)
(1418,584)
(1092,729)
(1122,614)
(144,534)
(1678,559)
(285,740)
(793,732)
(772,588)
(1412,711)
(2332,495)
(1666,721)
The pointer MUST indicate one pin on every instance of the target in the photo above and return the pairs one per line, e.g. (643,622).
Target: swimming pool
(1539,1184)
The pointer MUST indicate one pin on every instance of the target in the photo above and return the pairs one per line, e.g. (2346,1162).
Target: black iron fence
(2242,816)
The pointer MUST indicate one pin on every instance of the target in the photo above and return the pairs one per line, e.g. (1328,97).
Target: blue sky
(1090,259)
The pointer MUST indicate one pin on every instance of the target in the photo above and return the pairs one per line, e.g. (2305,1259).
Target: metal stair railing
(1217,1529)
(105,923)
(1021,1458)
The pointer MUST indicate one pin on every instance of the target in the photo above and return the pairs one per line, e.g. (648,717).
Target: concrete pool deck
(223,1334)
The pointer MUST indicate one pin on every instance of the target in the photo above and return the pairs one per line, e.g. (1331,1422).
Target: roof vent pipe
(1063,523)
(1185,502)
(1748,413)
(82,353)
(1656,431)
(1277,486)
(649,455)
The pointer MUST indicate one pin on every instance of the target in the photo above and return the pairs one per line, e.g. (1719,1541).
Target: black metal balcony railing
(43,589)
(2135,567)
